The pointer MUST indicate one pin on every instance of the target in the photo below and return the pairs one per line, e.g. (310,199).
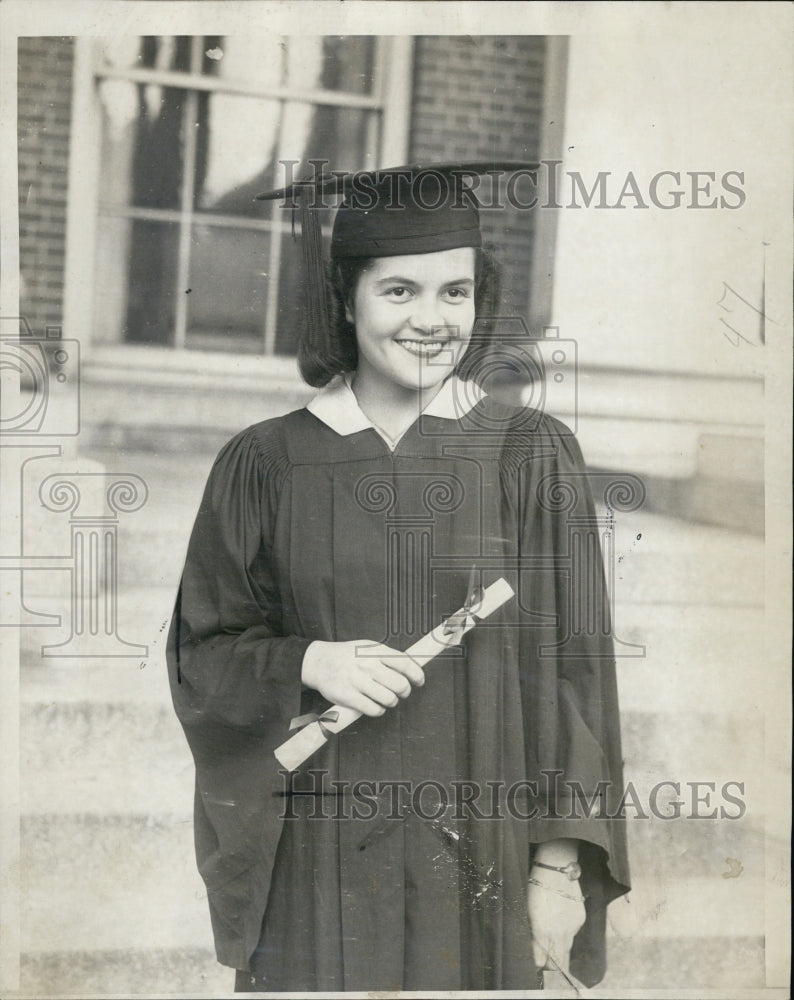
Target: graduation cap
(415,209)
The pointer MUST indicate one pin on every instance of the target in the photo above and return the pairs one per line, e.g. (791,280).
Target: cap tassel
(316,342)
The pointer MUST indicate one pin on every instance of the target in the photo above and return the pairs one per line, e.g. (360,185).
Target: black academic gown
(306,534)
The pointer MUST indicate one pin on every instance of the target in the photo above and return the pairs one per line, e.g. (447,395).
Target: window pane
(228,289)
(306,62)
(165,52)
(235,153)
(249,59)
(334,62)
(344,138)
(136,281)
(157,141)
(142,148)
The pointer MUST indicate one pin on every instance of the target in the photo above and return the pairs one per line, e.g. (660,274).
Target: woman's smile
(423,348)
(413,317)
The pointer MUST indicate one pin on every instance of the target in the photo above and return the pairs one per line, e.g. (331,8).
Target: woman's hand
(555,919)
(555,904)
(365,676)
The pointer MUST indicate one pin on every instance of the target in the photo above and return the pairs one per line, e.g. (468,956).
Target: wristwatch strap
(573,869)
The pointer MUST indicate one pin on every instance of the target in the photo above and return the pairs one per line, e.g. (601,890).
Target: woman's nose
(427,317)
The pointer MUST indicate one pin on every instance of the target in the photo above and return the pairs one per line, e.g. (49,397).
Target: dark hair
(318,368)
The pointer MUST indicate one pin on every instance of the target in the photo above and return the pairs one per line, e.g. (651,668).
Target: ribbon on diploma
(329,715)
(314,730)
(458,624)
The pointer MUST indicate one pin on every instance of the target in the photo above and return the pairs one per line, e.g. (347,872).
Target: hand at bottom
(556,913)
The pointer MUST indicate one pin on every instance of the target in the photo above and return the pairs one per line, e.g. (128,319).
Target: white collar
(336,405)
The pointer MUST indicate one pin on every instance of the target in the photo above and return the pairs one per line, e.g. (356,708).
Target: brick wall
(45,95)
(481,99)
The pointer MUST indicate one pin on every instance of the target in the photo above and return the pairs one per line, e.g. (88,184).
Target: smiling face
(413,317)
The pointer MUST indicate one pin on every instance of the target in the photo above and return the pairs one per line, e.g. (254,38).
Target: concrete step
(735,504)
(104,758)
(731,458)
(134,878)
(694,655)
(717,963)
(658,560)
(664,902)
(94,882)
(692,746)
(86,754)
(125,972)
(126,904)
(720,964)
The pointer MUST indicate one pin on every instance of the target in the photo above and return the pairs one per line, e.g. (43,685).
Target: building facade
(139,165)
(139,162)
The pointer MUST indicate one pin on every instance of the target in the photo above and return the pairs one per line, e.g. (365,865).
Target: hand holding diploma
(362,678)
(365,677)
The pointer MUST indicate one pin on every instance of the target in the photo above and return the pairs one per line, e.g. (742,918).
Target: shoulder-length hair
(338,354)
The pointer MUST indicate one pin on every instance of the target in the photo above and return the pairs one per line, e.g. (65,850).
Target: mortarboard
(421,208)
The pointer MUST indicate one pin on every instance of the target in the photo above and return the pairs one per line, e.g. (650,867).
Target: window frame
(390,100)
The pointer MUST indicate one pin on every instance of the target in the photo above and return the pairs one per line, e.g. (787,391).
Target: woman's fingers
(386,681)
(379,693)
(540,953)
(360,702)
(555,920)
(396,682)
(367,677)
(405,666)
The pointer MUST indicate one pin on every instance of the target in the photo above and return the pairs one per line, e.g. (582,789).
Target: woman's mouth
(424,348)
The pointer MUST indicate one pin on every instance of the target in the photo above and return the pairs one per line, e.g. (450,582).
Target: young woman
(439,843)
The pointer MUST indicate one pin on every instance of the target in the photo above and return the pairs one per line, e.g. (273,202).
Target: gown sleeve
(569,681)
(235,682)
(229,659)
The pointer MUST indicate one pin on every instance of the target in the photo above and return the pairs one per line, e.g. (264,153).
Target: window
(192,129)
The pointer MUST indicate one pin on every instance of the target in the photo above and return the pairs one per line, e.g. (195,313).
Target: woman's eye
(457,293)
(398,292)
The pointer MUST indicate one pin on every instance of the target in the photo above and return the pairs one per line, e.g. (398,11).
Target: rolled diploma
(298,748)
